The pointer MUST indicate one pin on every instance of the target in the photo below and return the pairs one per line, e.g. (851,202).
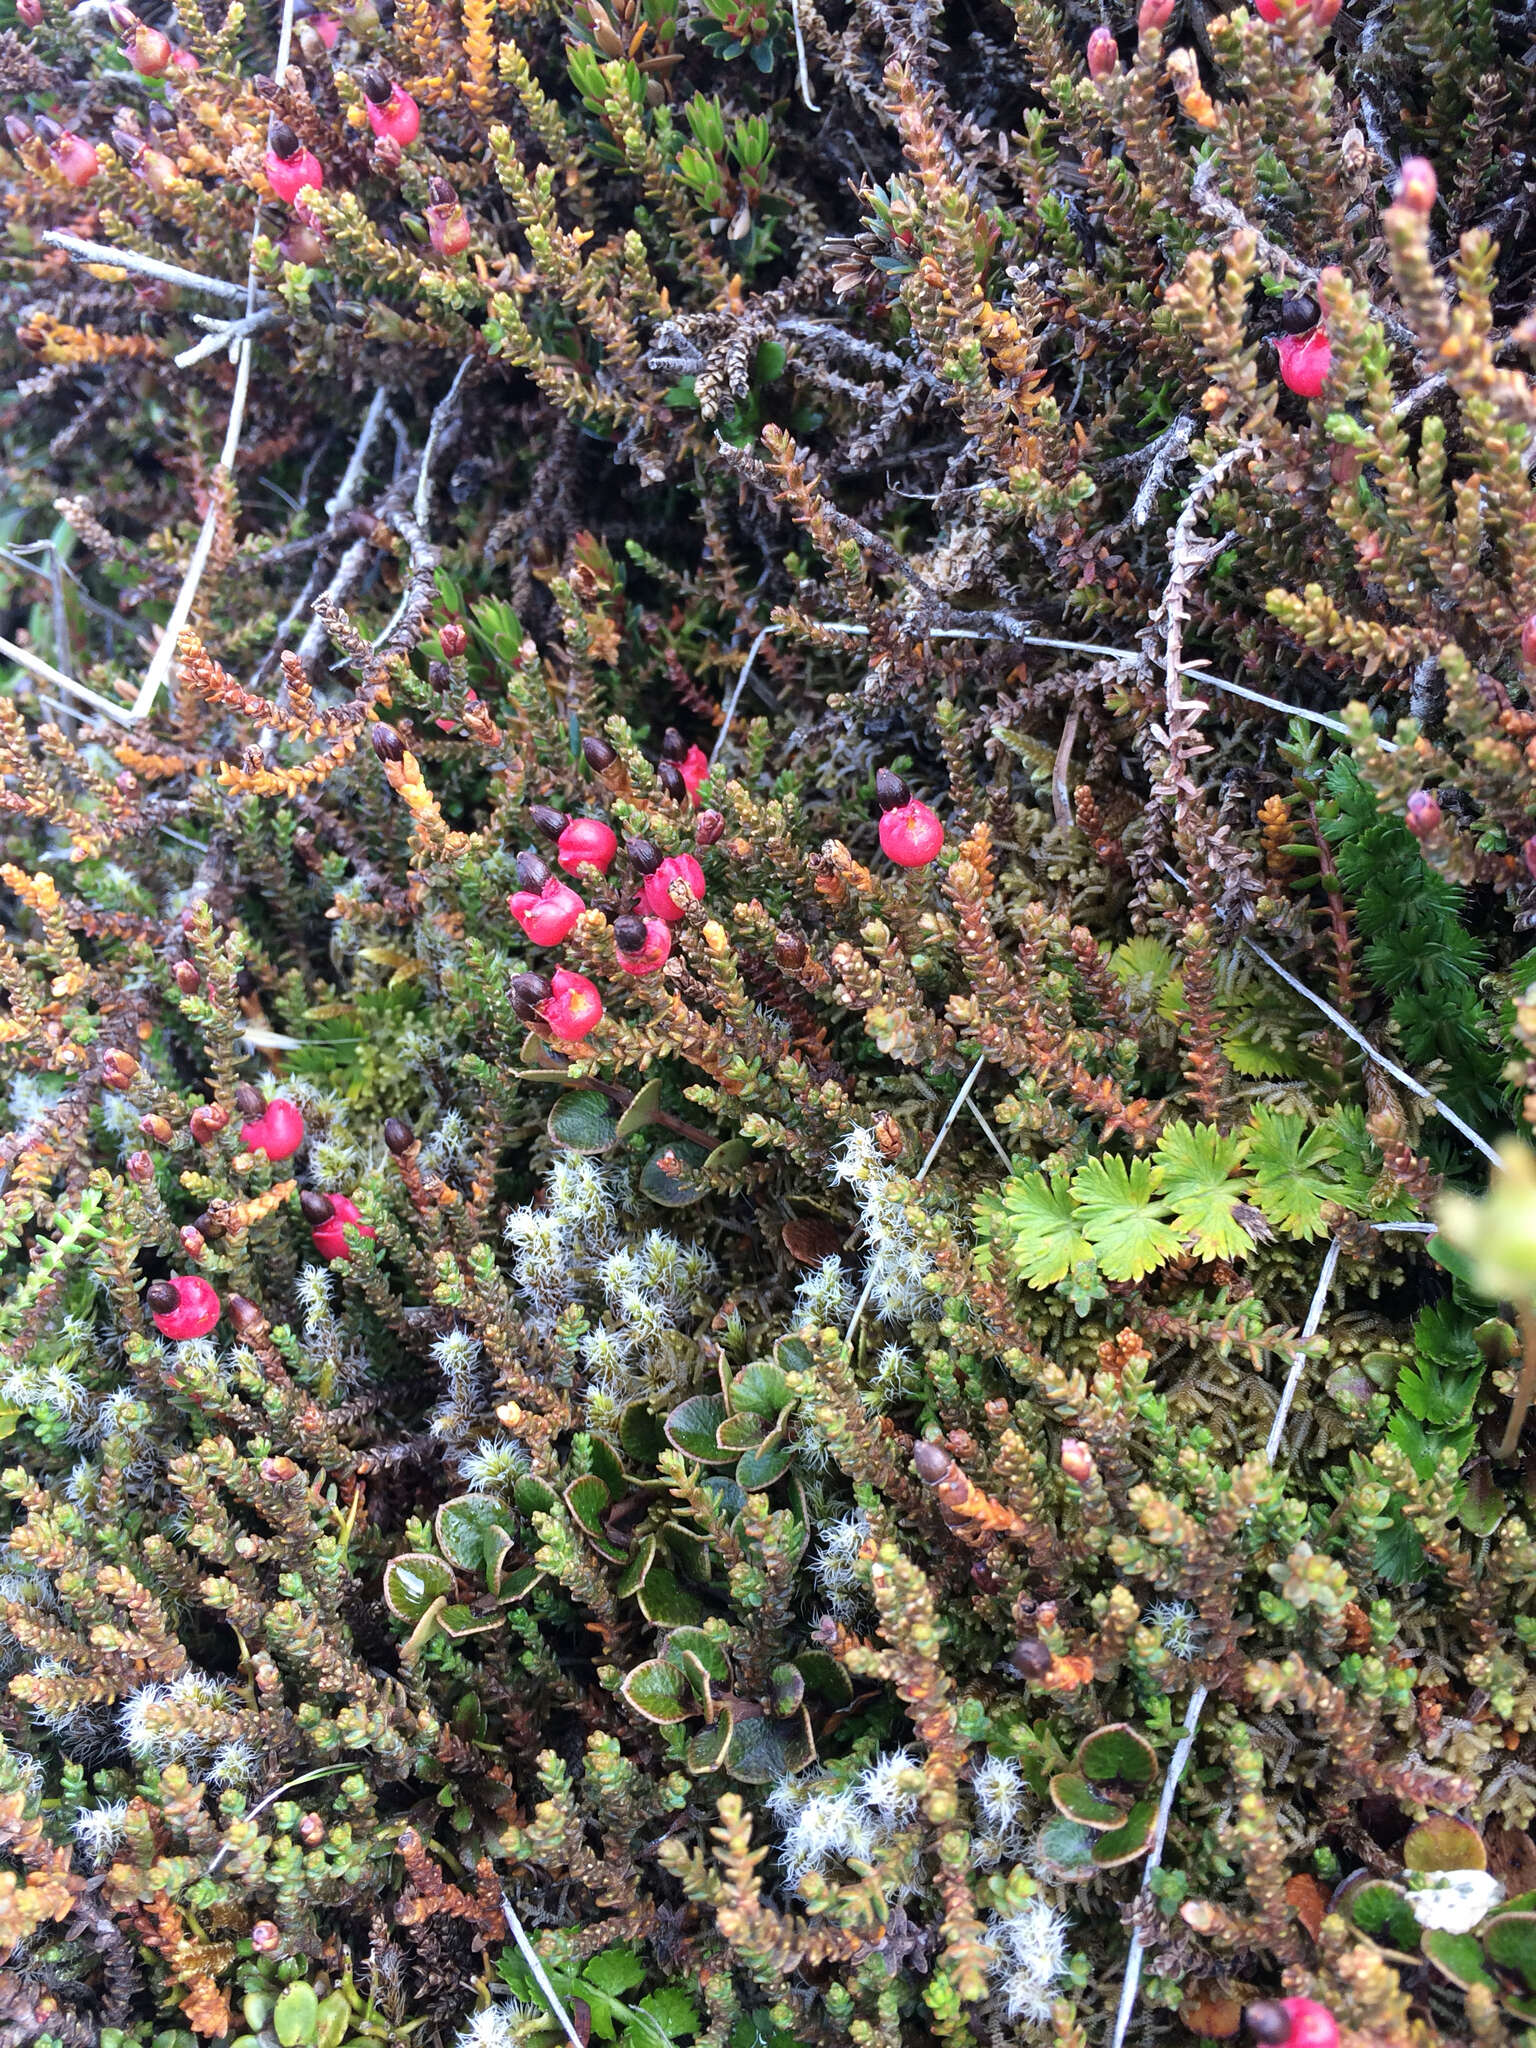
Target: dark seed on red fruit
(670,776)
(248,1100)
(643,857)
(890,791)
(629,933)
(316,1208)
(282,141)
(1268,2021)
(599,754)
(532,873)
(1299,313)
(376,85)
(548,821)
(527,991)
(673,745)
(163,1298)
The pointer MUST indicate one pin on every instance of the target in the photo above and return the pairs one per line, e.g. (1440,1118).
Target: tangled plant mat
(768,793)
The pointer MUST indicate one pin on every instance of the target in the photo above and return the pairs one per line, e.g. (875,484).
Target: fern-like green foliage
(1204,1192)
(1417,949)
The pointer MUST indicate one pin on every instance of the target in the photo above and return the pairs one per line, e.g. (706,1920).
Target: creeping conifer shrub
(767,1277)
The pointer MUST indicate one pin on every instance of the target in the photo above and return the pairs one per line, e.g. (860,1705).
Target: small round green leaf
(1117,1752)
(1072,1795)
(1064,1851)
(1128,1843)
(1509,1940)
(1444,1843)
(670,1177)
(658,1691)
(583,1121)
(296,2015)
(413,1581)
(692,1429)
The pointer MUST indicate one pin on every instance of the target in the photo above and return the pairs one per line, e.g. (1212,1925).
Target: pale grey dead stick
(805,76)
(539,1974)
(150,266)
(1195,668)
(222,332)
(735,698)
(159,668)
(1391,1067)
(1358,1037)
(1177,1763)
(933,1152)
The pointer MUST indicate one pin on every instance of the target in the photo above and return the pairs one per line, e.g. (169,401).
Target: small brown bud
(1076,1460)
(193,1243)
(249,1101)
(316,1208)
(890,1137)
(157,1129)
(206,1122)
(186,977)
(398,1135)
(210,1225)
(708,827)
(118,1068)
(932,1462)
(279,1471)
(265,1938)
(387,743)
(789,950)
(245,983)
(670,776)
(599,755)
(440,676)
(245,1317)
(141,1168)
(1030,1658)
(453,640)
(311,1830)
